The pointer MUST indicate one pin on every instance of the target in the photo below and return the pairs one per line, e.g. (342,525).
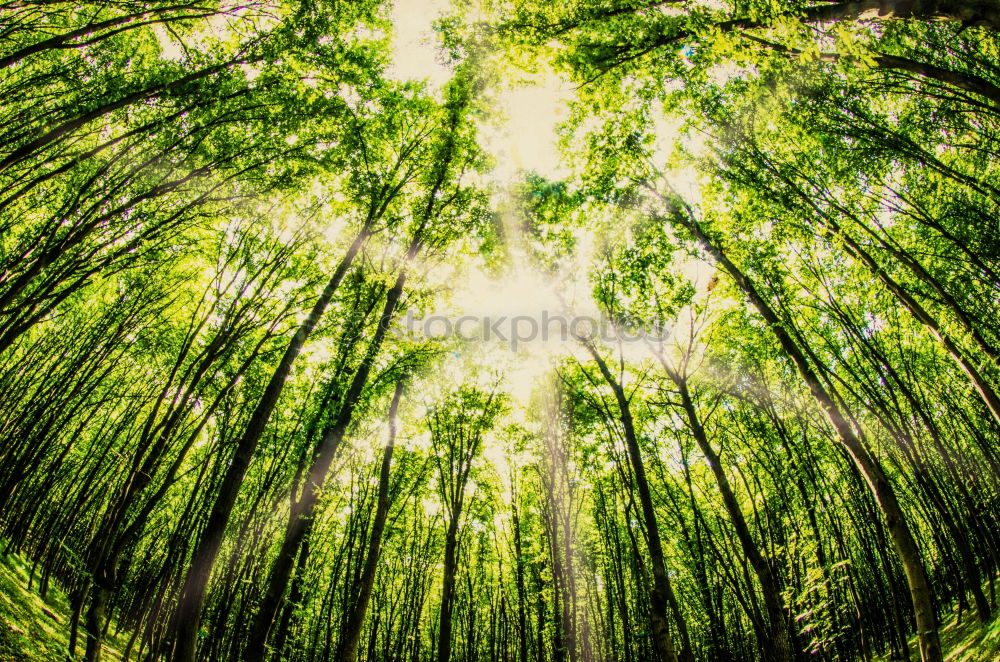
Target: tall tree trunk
(295,594)
(356,620)
(101,592)
(659,596)
(206,549)
(448,589)
(301,520)
(921,594)
(522,618)
(780,644)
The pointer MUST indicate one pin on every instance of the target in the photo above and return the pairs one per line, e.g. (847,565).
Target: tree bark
(779,645)
(448,589)
(206,549)
(356,620)
(659,596)
(921,594)
(301,520)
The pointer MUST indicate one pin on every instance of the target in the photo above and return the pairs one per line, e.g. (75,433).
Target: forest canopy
(589,331)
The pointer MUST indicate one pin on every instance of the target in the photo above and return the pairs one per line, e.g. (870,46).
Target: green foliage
(207,206)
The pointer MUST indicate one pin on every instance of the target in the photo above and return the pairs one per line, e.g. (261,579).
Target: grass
(35,630)
(32,629)
(967,641)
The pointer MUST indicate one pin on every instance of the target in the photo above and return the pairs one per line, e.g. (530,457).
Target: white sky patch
(416,49)
(667,129)
(518,319)
(723,73)
(526,141)
(522,137)
(525,138)
(170,48)
(523,293)
(670,135)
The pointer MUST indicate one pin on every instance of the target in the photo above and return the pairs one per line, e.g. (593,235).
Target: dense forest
(769,429)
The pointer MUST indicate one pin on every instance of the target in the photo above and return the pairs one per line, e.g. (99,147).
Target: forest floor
(969,641)
(964,641)
(34,630)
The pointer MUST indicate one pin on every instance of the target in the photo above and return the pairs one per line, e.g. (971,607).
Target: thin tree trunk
(448,590)
(660,591)
(209,542)
(522,622)
(356,620)
(301,520)
(779,644)
(921,593)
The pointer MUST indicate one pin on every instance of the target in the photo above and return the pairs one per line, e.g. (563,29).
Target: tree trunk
(779,644)
(659,596)
(448,589)
(522,619)
(192,597)
(356,620)
(300,520)
(905,545)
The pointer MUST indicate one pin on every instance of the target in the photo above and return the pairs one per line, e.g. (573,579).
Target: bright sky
(416,54)
(526,140)
(523,140)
